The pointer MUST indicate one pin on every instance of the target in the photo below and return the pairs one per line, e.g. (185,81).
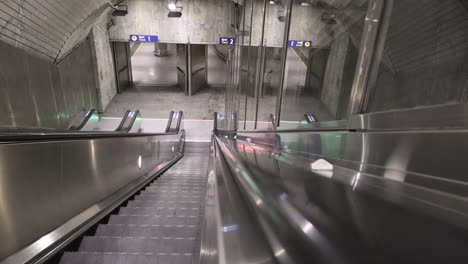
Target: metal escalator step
(175,172)
(147,230)
(193,177)
(154,188)
(137,245)
(174,204)
(172,192)
(179,180)
(175,191)
(174,196)
(155,192)
(176,185)
(177,211)
(118,258)
(153,220)
(183,175)
(168,198)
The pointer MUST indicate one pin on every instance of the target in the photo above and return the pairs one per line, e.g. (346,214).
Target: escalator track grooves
(159,225)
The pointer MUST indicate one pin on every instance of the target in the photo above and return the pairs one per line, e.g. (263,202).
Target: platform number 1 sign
(144,38)
(300,43)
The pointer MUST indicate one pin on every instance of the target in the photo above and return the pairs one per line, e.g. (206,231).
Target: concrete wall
(334,71)
(202,21)
(104,65)
(35,93)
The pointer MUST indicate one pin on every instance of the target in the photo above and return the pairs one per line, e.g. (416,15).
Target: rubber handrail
(169,122)
(89,114)
(119,128)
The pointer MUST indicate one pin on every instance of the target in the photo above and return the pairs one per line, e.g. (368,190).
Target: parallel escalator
(158,225)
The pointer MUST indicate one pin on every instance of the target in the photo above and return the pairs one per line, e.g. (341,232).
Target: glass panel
(269,82)
(233,57)
(425,57)
(324,41)
(252,43)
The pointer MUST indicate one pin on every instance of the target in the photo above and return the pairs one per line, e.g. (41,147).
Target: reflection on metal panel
(182,67)
(37,94)
(422,60)
(382,201)
(63,178)
(198,65)
(121,51)
(384,153)
(229,233)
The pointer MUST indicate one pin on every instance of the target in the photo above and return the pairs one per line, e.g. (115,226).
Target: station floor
(157,102)
(155,92)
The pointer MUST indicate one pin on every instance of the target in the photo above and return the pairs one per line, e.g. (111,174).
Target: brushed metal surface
(229,234)
(391,197)
(450,116)
(44,184)
(401,156)
(198,64)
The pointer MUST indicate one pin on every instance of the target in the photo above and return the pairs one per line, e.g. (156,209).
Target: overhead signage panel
(300,43)
(143,38)
(227,41)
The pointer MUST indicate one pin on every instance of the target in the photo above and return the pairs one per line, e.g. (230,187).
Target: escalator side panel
(40,178)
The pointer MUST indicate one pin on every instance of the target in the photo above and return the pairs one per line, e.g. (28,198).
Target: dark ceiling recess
(174,14)
(121,10)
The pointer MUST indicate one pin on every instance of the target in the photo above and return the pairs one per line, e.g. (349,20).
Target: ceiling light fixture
(174,10)
(172,6)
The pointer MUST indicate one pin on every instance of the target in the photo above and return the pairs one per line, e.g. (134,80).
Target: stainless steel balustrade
(391,197)
(55,185)
(230,234)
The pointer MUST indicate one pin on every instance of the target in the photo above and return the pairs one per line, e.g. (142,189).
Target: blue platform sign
(300,43)
(143,38)
(227,41)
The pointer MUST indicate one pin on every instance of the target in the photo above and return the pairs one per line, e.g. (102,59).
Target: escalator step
(106,258)
(165,184)
(146,231)
(172,204)
(137,245)
(153,220)
(192,211)
(171,192)
(175,188)
(177,180)
(162,197)
(184,173)
(190,174)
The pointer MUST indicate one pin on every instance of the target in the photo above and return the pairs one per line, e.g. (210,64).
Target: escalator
(158,225)
(246,197)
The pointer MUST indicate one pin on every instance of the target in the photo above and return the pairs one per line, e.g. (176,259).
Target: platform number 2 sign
(227,41)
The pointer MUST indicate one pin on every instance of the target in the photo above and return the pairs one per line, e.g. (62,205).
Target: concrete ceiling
(44,27)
